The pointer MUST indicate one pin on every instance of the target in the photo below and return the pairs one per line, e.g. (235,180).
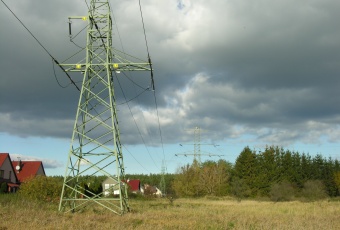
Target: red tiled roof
(134,184)
(28,169)
(3,156)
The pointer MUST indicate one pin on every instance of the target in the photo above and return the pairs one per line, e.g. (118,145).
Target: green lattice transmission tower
(95,146)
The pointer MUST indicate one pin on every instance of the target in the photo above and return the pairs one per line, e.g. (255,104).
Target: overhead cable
(55,60)
(140,134)
(152,79)
(147,46)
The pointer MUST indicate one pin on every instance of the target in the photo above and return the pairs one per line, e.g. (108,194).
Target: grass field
(201,213)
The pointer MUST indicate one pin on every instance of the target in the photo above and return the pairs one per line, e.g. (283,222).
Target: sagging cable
(152,80)
(65,73)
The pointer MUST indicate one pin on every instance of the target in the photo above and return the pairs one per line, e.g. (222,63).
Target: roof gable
(3,157)
(6,157)
(28,169)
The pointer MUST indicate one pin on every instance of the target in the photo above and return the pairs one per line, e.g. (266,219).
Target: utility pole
(96,148)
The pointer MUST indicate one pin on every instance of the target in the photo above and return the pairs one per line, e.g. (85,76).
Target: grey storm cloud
(266,68)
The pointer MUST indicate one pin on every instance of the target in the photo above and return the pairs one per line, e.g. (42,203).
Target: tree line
(276,173)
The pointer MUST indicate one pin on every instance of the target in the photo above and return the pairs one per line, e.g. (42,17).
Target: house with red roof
(110,186)
(8,178)
(25,170)
(134,185)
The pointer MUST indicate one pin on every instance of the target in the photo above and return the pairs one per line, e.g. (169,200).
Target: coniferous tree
(245,170)
(266,167)
(306,168)
(287,166)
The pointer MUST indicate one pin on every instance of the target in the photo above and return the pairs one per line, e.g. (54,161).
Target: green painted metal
(95,145)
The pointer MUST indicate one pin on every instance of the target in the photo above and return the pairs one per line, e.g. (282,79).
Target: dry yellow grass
(183,214)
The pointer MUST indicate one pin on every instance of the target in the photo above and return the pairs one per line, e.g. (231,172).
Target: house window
(2,172)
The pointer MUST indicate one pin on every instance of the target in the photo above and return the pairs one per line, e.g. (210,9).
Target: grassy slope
(183,214)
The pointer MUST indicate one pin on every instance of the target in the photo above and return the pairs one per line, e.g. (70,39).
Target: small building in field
(8,176)
(110,186)
(25,170)
(150,190)
(134,185)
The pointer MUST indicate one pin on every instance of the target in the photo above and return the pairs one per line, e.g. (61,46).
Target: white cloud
(47,163)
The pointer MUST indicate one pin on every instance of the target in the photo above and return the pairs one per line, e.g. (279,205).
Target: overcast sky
(250,73)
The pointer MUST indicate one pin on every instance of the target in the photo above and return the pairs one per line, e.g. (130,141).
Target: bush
(313,190)
(41,188)
(282,191)
(3,187)
(240,189)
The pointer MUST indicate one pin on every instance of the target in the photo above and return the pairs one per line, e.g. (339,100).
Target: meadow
(203,213)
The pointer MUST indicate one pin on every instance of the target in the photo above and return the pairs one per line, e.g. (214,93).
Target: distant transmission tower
(197,147)
(197,144)
(95,146)
(162,184)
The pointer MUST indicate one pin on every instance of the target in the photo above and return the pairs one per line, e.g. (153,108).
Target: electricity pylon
(95,146)
(197,144)
(197,147)
(162,184)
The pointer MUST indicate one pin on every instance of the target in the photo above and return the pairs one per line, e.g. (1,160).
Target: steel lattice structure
(95,146)
(197,147)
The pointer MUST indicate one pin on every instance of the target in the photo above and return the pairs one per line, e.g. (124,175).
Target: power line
(140,134)
(152,79)
(147,46)
(121,43)
(36,39)
(134,97)
(135,83)
(27,29)
(135,159)
(159,125)
(55,76)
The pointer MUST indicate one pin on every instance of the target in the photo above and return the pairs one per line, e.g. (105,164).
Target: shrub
(240,189)
(313,190)
(3,187)
(282,191)
(41,188)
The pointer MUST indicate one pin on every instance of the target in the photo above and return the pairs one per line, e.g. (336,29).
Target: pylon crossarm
(80,67)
